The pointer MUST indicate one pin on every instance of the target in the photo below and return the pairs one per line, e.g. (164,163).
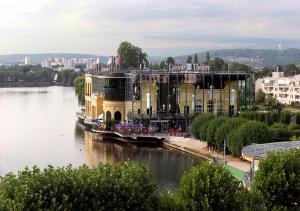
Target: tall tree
(142,59)
(79,85)
(189,60)
(218,63)
(131,56)
(291,70)
(260,96)
(170,61)
(195,59)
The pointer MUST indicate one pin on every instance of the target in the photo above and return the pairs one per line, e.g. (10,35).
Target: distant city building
(28,61)
(73,63)
(284,89)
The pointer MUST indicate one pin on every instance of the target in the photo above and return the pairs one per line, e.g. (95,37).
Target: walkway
(199,148)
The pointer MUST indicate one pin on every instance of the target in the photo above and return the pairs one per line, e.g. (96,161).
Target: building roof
(260,151)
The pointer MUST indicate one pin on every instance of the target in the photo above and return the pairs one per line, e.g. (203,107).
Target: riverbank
(200,149)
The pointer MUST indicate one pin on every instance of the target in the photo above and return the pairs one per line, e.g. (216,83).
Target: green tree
(222,132)
(280,132)
(199,126)
(285,117)
(169,201)
(265,72)
(291,70)
(208,187)
(189,60)
(218,63)
(246,134)
(170,61)
(195,61)
(79,84)
(278,181)
(212,128)
(237,67)
(260,96)
(142,59)
(131,56)
(107,187)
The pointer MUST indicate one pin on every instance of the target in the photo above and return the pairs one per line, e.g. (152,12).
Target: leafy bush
(170,202)
(278,181)
(268,118)
(274,116)
(261,116)
(280,132)
(199,126)
(223,131)
(208,187)
(248,133)
(212,127)
(250,200)
(250,115)
(294,129)
(107,187)
(285,117)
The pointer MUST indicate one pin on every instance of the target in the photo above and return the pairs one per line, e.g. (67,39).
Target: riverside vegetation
(128,186)
(250,127)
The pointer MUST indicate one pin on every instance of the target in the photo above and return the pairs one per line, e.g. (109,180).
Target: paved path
(200,148)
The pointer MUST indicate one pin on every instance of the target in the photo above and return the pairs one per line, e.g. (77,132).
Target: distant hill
(252,57)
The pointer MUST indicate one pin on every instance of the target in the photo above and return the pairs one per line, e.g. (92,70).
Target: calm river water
(38,127)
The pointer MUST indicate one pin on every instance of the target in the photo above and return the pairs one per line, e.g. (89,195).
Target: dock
(137,139)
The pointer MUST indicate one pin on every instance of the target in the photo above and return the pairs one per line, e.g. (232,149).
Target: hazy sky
(160,27)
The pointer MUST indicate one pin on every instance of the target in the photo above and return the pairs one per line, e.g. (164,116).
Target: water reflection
(166,166)
(39,128)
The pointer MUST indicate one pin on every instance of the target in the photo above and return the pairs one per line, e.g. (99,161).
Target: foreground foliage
(278,180)
(117,187)
(208,187)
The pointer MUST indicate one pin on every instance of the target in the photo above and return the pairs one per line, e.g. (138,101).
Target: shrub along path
(199,149)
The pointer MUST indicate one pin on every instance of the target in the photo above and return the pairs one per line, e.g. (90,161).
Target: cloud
(97,26)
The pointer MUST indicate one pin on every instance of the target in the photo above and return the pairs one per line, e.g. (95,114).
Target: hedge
(280,132)
(285,117)
(212,128)
(223,131)
(199,125)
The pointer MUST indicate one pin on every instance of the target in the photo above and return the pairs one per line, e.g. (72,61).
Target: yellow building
(173,96)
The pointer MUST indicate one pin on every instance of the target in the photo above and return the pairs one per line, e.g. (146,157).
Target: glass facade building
(171,96)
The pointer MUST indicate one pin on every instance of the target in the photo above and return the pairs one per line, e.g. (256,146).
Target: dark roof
(259,151)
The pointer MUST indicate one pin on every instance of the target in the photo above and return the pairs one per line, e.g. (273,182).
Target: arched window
(117,116)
